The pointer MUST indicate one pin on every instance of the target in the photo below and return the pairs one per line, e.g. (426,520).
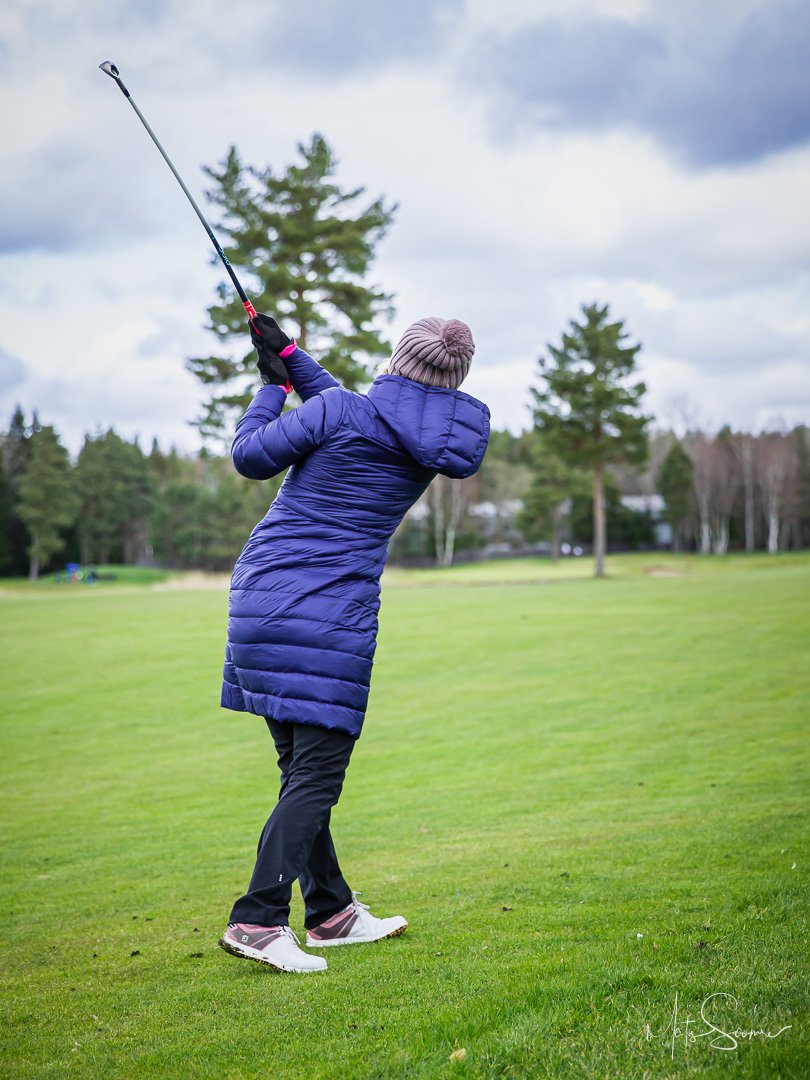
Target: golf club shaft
(112,71)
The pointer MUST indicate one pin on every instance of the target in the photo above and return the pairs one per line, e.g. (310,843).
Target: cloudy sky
(544,153)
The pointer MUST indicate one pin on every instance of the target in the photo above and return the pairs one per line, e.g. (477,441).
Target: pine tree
(304,248)
(586,408)
(112,477)
(15,453)
(675,486)
(803,509)
(48,500)
(202,512)
(6,518)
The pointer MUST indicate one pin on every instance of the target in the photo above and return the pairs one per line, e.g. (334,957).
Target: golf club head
(109,68)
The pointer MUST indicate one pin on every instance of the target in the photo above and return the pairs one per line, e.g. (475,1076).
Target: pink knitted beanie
(434,351)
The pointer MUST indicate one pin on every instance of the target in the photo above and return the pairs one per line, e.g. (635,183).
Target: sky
(543,154)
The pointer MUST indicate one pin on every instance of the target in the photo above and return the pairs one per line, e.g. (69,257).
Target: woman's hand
(265,333)
(270,341)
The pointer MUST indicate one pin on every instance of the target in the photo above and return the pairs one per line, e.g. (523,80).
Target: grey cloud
(12,370)
(721,94)
(95,181)
(331,36)
(726,337)
(57,200)
(35,17)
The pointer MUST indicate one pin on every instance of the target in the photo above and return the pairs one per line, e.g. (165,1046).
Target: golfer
(305,593)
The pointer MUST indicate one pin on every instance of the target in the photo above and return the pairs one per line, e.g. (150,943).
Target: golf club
(110,69)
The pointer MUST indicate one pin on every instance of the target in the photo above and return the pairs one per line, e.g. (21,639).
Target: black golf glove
(267,335)
(273,371)
(269,340)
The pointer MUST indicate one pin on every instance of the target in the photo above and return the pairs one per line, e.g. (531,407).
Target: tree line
(117,504)
(306,247)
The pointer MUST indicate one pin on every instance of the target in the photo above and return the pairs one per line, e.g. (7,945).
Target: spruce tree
(48,500)
(586,408)
(303,247)
(675,486)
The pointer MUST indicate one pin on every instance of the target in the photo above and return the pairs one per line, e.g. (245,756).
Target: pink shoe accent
(253,935)
(336,926)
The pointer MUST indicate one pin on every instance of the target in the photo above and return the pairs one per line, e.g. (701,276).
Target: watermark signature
(682,1027)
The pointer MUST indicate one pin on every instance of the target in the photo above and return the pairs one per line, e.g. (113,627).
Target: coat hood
(446,430)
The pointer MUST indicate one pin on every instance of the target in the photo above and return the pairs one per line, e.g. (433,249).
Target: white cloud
(754,400)
(103,291)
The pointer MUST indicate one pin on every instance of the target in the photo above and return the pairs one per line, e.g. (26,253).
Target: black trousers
(296,842)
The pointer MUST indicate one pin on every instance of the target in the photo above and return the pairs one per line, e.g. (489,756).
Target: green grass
(118,575)
(546,773)
(542,569)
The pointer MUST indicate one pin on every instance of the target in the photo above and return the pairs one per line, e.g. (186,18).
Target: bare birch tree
(448,502)
(743,446)
(777,470)
(698,446)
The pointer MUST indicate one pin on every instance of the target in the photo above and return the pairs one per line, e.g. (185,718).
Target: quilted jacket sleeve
(307,375)
(463,455)
(267,441)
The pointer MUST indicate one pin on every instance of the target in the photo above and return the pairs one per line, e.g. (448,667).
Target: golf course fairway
(588,797)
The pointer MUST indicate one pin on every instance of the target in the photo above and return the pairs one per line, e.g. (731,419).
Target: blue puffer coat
(305,592)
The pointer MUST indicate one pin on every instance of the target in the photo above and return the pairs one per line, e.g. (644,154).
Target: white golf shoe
(353,925)
(275,946)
